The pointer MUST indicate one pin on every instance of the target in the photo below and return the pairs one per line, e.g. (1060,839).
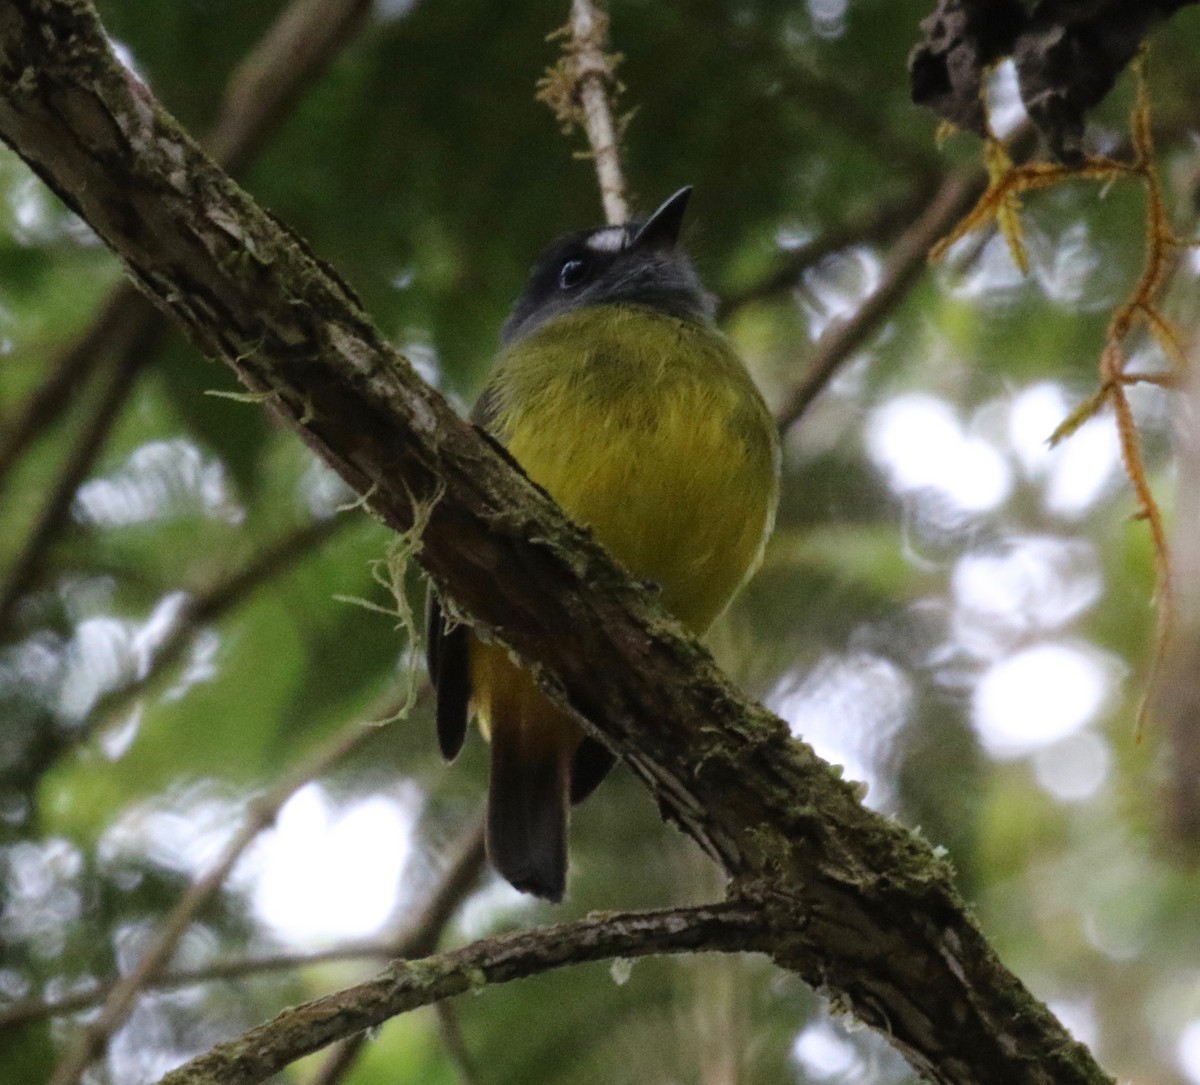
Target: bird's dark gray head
(638,263)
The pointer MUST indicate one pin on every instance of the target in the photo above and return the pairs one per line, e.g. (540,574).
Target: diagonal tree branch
(417,936)
(905,264)
(266,87)
(208,607)
(292,55)
(117,384)
(952,198)
(859,907)
(881,223)
(68,373)
(455,1043)
(16,1015)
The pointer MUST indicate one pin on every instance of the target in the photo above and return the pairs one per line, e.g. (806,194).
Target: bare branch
(115,321)
(421,938)
(858,906)
(1174,698)
(405,985)
(203,610)
(589,35)
(207,608)
(55,514)
(341,1060)
(18,1014)
(294,53)
(455,1044)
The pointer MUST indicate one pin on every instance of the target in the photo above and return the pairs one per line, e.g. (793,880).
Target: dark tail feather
(448,653)
(527,816)
(591,764)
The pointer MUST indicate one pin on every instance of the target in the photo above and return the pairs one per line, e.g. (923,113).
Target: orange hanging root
(1001,204)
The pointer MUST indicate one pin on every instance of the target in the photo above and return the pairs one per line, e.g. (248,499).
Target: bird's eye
(571,274)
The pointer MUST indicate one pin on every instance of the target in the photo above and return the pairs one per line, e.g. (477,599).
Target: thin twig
(18,1014)
(419,937)
(207,608)
(905,264)
(733,927)
(589,37)
(341,1060)
(292,55)
(68,374)
(201,611)
(260,815)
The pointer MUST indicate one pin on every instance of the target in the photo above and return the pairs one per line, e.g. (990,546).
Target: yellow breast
(648,430)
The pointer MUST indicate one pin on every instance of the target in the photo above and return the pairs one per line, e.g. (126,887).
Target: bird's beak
(661,230)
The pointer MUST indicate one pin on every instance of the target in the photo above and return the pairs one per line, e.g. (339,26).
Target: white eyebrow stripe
(611,239)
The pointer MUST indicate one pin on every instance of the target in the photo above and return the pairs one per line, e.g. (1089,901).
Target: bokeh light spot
(1036,697)
(917,440)
(328,872)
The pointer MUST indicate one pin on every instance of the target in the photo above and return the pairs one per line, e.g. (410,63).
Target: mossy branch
(580,90)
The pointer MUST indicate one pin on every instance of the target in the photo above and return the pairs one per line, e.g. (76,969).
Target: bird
(615,391)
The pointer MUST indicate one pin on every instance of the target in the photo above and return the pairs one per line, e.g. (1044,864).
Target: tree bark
(865,911)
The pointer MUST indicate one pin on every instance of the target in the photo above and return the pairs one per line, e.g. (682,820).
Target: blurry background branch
(906,261)
(419,938)
(881,225)
(197,613)
(417,935)
(115,386)
(260,815)
(122,337)
(1175,699)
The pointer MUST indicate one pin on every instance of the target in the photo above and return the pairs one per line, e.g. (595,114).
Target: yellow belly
(649,431)
(671,500)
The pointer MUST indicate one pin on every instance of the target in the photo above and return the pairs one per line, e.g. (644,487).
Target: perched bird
(617,394)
